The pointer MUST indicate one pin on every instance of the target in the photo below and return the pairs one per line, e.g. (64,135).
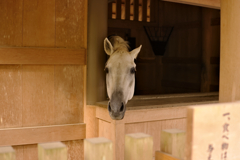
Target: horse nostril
(122,108)
(109,107)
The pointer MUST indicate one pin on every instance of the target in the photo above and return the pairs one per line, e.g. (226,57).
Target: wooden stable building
(52,83)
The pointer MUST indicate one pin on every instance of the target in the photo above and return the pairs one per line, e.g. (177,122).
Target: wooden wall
(191,60)
(42,92)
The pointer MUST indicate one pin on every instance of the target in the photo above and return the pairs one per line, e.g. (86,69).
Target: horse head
(120,75)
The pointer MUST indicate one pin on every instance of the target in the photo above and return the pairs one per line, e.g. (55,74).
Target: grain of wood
(33,135)
(11,96)
(19,152)
(98,148)
(75,149)
(38,92)
(229,73)
(39,23)
(30,152)
(52,151)
(7,153)
(212,131)
(68,94)
(71,23)
(42,56)
(11,26)
(164,156)
(173,142)
(138,146)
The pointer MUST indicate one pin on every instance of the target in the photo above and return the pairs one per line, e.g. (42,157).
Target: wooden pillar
(98,148)
(230,51)
(206,49)
(138,146)
(7,153)
(52,151)
(96,57)
(173,142)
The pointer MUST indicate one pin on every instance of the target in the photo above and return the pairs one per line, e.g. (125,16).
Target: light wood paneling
(42,56)
(106,130)
(38,95)
(19,152)
(71,29)
(68,94)
(39,23)
(213,131)
(203,3)
(229,58)
(154,129)
(42,134)
(30,152)
(11,96)
(11,23)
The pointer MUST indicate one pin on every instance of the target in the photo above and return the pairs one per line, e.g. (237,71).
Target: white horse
(120,75)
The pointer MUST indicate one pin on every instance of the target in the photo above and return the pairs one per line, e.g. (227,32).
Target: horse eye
(133,70)
(106,70)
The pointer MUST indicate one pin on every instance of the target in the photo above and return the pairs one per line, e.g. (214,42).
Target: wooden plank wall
(36,95)
(189,51)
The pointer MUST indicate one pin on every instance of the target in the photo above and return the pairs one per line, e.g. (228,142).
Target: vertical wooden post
(7,153)
(127,10)
(206,49)
(96,59)
(138,146)
(119,9)
(52,151)
(144,10)
(230,51)
(153,4)
(98,148)
(136,5)
(173,142)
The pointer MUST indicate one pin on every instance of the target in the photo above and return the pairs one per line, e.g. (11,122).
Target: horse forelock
(118,43)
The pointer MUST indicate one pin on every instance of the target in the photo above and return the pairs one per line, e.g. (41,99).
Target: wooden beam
(42,134)
(215,4)
(42,56)
(164,156)
(213,131)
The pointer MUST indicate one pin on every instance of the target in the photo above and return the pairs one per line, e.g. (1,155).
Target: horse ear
(135,52)
(108,47)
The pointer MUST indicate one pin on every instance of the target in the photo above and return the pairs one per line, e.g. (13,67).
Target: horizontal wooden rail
(42,134)
(26,55)
(215,4)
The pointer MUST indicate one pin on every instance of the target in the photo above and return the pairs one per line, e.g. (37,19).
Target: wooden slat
(71,23)
(215,4)
(42,56)
(68,94)
(42,134)
(38,95)
(144,10)
(39,23)
(11,23)
(136,12)
(127,9)
(119,10)
(11,96)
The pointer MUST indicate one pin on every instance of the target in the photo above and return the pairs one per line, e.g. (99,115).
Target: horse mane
(118,43)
